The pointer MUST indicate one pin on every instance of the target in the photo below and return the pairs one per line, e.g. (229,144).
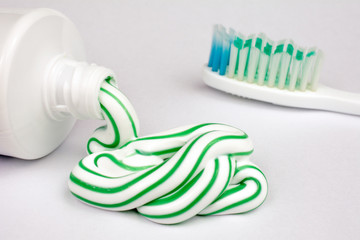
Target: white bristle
(263,66)
(294,72)
(284,64)
(284,67)
(254,57)
(306,72)
(316,71)
(242,62)
(232,62)
(273,68)
(253,64)
(232,34)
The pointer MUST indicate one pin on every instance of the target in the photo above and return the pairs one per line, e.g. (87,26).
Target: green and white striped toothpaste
(168,177)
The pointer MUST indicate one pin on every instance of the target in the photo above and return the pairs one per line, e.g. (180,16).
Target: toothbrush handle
(324,98)
(339,101)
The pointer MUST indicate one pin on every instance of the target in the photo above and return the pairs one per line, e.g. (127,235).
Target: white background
(157,49)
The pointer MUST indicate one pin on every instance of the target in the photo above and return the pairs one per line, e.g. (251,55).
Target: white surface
(157,49)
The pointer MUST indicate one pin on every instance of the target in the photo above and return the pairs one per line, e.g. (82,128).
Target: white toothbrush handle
(338,101)
(324,98)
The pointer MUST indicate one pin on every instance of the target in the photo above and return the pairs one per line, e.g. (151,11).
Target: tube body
(42,73)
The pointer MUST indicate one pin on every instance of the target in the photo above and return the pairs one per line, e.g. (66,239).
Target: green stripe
(241,202)
(153,186)
(231,191)
(125,109)
(248,43)
(120,163)
(241,153)
(109,79)
(258,43)
(299,55)
(228,180)
(195,201)
(94,188)
(247,62)
(290,49)
(310,54)
(267,49)
(81,165)
(158,153)
(206,148)
(237,61)
(238,42)
(279,48)
(238,188)
(178,134)
(172,197)
(116,141)
(241,184)
(129,184)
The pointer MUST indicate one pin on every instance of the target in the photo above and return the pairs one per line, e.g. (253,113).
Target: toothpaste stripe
(179,161)
(233,197)
(192,202)
(168,177)
(126,124)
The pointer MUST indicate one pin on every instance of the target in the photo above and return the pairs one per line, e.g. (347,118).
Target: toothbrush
(280,73)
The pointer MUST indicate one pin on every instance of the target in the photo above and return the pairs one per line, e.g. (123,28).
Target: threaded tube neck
(72,89)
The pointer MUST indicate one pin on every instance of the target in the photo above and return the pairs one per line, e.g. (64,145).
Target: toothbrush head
(280,72)
(259,60)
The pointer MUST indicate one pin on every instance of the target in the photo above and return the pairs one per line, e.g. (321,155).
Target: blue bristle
(213,49)
(217,56)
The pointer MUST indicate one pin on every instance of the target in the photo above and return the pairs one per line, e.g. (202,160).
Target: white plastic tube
(44,82)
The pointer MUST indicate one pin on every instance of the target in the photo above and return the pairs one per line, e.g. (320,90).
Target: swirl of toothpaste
(168,177)
(122,123)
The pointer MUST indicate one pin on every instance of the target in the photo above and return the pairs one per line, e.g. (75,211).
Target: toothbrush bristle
(258,60)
